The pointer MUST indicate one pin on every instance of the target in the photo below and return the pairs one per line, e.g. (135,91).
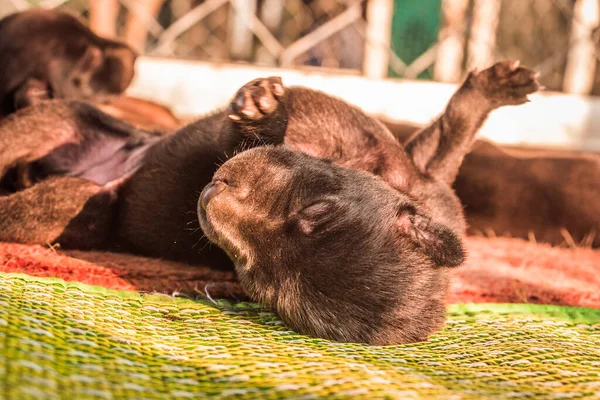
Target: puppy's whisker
(198,241)
(208,296)
(225,306)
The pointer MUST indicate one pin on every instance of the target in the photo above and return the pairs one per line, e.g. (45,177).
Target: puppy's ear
(117,71)
(90,61)
(315,217)
(438,242)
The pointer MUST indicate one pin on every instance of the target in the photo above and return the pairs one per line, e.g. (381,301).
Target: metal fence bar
(271,16)
(240,36)
(255,26)
(145,16)
(103,17)
(482,41)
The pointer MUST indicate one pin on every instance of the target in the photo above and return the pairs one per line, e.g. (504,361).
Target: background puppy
(51,54)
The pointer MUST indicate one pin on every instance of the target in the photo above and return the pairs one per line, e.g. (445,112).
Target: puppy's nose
(211,190)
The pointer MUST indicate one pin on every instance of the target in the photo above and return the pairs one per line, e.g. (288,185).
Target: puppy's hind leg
(73,212)
(439,149)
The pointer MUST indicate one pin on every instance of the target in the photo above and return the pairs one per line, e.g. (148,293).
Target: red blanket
(497,270)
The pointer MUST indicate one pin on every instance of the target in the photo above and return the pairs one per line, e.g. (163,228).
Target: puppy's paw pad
(257,99)
(507,82)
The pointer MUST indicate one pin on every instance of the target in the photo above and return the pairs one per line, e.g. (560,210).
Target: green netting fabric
(72,341)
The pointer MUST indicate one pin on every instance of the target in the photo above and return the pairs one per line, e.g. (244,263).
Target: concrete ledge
(194,88)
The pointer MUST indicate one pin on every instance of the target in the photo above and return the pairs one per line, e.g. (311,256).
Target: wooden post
(141,18)
(450,51)
(103,17)
(377,38)
(482,42)
(581,59)
(271,15)
(239,34)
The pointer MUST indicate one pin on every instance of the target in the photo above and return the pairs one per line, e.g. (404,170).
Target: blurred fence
(427,39)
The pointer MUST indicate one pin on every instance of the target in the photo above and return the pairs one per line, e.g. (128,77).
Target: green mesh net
(72,341)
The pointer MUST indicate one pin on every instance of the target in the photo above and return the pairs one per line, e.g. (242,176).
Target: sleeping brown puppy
(48,54)
(336,252)
(351,242)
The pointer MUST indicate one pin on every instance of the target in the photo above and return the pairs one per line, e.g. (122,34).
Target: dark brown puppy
(343,254)
(156,211)
(51,54)
(546,195)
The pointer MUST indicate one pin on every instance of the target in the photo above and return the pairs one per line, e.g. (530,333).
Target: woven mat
(73,341)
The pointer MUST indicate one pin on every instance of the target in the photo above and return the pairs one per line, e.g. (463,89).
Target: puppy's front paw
(256,100)
(505,83)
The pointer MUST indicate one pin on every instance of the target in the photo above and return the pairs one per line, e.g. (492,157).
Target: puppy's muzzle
(212,190)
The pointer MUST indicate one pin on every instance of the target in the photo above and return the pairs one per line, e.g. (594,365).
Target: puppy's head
(336,252)
(57,50)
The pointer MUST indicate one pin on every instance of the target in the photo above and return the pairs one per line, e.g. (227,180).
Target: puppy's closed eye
(315,217)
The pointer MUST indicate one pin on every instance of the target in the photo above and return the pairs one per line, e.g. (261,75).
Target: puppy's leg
(439,149)
(70,211)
